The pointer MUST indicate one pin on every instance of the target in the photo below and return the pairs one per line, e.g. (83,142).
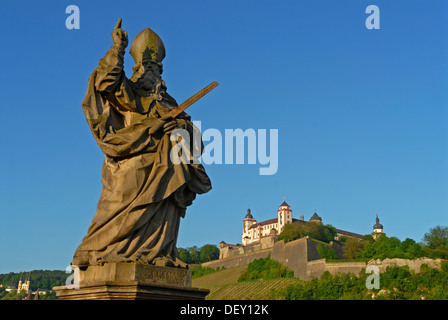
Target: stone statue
(144,194)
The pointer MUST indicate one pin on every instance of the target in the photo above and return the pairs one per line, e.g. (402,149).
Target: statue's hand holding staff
(119,36)
(167,124)
(170,126)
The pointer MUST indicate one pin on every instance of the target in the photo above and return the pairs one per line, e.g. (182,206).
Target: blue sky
(361,114)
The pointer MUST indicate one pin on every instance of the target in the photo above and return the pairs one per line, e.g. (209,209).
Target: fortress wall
(317,267)
(230,250)
(314,269)
(252,247)
(312,252)
(238,260)
(345,267)
(268,242)
(293,255)
(301,256)
(413,264)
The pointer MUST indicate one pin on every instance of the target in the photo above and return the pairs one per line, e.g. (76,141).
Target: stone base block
(130,281)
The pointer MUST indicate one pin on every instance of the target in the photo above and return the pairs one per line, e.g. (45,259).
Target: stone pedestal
(131,281)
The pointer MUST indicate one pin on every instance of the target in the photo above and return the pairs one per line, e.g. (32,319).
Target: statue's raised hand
(119,36)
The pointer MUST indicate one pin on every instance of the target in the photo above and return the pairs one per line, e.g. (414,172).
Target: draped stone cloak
(144,194)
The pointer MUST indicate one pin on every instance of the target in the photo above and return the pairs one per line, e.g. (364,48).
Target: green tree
(352,248)
(329,232)
(265,268)
(368,238)
(315,230)
(411,249)
(194,254)
(292,231)
(209,252)
(437,238)
(390,247)
(326,252)
(184,255)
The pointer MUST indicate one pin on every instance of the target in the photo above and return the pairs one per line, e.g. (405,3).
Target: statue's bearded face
(147,75)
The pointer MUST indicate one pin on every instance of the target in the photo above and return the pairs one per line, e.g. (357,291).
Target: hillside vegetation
(397,283)
(229,284)
(39,279)
(434,245)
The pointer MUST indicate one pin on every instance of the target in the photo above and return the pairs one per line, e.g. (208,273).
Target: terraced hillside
(223,285)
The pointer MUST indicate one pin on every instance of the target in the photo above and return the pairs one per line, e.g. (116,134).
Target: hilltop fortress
(263,235)
(302,256)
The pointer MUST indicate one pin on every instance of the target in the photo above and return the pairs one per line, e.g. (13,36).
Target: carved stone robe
(144,194)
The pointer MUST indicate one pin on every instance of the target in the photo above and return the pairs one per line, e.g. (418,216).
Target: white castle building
(263,235)
(253,231)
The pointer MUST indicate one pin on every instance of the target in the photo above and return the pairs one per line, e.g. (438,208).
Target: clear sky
(361,114)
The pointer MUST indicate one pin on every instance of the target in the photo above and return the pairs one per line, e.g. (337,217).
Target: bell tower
(377,228)
(284,215)
(248,221)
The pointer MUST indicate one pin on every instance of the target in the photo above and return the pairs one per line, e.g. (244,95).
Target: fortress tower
(284,215)
(248,221)
(377,228)
(254,231)
(315,217)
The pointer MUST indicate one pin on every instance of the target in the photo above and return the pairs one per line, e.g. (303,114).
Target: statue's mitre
(149,45)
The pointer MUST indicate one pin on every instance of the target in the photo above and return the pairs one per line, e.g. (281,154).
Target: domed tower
(284,215)
(247,222)
(377,228)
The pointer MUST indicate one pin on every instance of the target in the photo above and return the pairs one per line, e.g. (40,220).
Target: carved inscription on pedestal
(170,276)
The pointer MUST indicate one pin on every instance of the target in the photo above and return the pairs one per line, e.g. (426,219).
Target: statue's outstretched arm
(110,70)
